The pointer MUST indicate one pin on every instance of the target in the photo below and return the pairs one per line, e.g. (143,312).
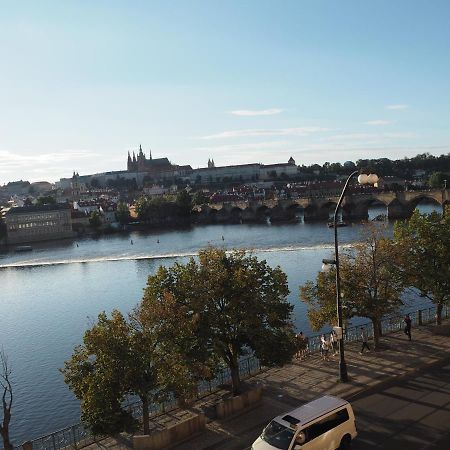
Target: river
(51,295)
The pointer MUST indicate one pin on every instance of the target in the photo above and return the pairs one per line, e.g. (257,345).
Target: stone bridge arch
(425,199)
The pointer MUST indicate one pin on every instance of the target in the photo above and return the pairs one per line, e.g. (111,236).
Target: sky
(84,82)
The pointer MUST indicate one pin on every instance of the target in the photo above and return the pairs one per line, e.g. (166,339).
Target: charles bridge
(399,205)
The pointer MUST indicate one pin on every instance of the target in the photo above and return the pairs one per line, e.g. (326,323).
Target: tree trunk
(145,414)
(4,429)
(439,308)
(235,378)
(5,436)
(380,328)
(376,333)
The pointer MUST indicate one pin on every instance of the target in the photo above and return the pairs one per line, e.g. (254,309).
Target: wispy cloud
(260,112)
(54,164)
(378,122)
(399,106)
(370,136)
(248,147)
(301,131)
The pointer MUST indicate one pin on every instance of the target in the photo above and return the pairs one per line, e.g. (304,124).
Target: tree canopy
(123,213)
(370,285)
(226,306)
(424,241)
(114,362)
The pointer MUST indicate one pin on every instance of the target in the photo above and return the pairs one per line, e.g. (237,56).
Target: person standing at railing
(407,329)
(365,339)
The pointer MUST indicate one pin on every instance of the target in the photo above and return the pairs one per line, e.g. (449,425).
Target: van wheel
(346,442)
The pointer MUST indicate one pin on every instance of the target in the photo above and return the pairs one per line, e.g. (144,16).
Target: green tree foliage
(370,285)
(46,200)
(227,305)
(424,241)
(199,198)
(184,202)
(95,183)
(95,220)
(162,209)
(436,180)
(123,213)
(116,360)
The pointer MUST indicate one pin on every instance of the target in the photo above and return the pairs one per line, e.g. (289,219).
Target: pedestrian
(333,342)
(365,339)
(324,348)
(407,329)
(299,344)
(305,351)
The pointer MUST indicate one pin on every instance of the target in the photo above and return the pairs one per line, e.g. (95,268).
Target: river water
(51,295)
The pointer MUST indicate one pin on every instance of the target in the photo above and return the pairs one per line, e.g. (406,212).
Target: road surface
(409,414)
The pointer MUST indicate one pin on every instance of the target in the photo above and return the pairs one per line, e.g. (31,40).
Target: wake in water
(136,257)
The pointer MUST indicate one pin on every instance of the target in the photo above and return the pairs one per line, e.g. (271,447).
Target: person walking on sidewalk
(365,339)
(333,342)
(301,345)
(324,348)
(407,329)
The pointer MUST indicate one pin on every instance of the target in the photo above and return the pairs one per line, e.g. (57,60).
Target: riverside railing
(76,436)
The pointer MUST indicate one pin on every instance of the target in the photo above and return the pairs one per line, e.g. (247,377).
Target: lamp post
(362,179)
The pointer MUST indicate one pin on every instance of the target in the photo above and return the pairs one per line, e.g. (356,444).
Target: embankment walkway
(302,380)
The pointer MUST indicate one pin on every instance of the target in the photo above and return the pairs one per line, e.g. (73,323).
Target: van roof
(310,411)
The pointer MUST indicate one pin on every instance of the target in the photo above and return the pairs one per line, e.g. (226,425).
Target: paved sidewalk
(302,380)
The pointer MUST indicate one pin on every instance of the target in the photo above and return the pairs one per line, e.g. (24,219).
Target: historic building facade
(38,223)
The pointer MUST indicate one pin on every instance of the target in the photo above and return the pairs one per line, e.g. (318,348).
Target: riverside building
(38,223)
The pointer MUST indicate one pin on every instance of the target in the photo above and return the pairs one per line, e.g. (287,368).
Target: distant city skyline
(81,84)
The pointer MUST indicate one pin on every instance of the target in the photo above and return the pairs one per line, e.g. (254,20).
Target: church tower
(75,185)
(129,163)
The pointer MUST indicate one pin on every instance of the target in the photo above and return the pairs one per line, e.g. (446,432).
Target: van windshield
(277,435)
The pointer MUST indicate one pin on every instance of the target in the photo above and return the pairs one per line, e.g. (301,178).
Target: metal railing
(77,436)
(389,324)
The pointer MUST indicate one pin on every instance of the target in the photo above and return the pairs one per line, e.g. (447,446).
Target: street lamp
(362,179)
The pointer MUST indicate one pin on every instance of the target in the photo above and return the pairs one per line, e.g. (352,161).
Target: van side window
(326,424)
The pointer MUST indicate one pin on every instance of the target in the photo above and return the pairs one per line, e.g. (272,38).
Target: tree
(436,180)
(46,200)
(232,303)
(7,399)
(424,241)
(199,198)
(123,213)
(184,202)
(115,361)
(95,183)
(95,220)
(370,285)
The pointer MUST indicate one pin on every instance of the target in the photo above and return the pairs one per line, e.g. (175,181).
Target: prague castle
(140,163)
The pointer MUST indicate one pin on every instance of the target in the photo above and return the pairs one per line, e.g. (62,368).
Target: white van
(327,423)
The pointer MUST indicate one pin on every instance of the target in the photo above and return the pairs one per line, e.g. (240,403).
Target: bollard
(419,317)
(28,445)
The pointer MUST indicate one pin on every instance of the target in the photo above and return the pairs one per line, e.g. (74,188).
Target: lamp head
(368,179)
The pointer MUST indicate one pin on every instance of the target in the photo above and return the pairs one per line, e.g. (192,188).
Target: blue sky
(83,82)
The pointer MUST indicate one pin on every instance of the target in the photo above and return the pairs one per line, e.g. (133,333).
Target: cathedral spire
(150,154)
